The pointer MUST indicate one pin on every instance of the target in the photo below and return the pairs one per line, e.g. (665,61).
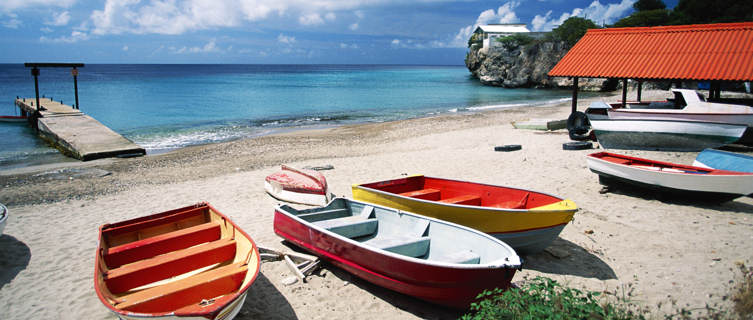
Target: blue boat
(717,159)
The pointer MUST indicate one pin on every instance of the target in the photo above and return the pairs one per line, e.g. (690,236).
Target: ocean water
(165,107)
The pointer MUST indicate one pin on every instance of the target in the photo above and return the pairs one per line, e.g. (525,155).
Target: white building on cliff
(490,32)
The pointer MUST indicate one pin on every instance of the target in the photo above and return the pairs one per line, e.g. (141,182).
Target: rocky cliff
(525,66)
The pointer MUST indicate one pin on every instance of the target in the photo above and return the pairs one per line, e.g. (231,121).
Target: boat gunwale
(465,206)
(679,111)
(509,265)
(709,171)
(235,296)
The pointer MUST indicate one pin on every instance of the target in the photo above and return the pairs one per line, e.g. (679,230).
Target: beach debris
(577,145)
(73,173)
(289,281)
(508,147)
(604,190)
(300,264)
(589,231)
(320,168)
(540,124)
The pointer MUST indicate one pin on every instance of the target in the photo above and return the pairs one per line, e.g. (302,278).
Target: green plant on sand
(544,298)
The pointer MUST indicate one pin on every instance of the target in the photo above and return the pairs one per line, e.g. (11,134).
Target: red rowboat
(430,259)
(298,186)
(185,263)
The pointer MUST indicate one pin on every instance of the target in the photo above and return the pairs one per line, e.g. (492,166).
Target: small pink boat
(298,186)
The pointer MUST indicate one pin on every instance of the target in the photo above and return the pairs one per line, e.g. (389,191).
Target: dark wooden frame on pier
(717,53)
(35,72)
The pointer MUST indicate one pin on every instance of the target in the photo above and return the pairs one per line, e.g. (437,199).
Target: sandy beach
(658,251)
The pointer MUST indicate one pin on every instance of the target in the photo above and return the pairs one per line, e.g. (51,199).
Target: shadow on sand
(14,257)
(647,194)
(567,258)
(264,301)
(417,307)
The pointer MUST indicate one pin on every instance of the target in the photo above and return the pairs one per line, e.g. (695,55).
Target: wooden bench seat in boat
(467,199)
(352,226)
(147,228)
(169,265)
(161,244)
(184,292)
(426,194)
(408,246)
(616,160)
(325,215)
(461,257)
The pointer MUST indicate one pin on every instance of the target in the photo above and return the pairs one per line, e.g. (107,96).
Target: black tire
(508,147)
(578,123)
(581,137)
(578,145)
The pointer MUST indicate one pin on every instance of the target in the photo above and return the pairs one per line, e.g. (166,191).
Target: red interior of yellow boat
(188,261)
(464,193)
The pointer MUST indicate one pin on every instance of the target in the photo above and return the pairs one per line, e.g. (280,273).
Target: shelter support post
(640,87)
(575,95)
(624,92)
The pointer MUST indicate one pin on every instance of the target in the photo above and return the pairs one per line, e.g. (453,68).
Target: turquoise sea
(165,107)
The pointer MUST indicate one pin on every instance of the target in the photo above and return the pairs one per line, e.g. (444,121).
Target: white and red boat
(688,106)
(430,259)
(687,182)
(298,186)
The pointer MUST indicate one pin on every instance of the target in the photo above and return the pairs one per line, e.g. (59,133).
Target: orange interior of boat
(190,260)
(464,193)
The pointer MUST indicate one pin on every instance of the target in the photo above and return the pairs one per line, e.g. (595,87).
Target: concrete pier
(76,134)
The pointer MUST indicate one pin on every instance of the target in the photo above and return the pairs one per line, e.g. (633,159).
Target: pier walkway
(76,134)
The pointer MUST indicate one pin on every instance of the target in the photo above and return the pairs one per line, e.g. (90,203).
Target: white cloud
(504,14)
(310,19)
(285,39)
(59,19)
(395,42)
(12,5)
(353,26)
(597,12)
(125,48)
(359,14)
(11,21)
(75,36)
(348,46)
(211,46)
(330,16)
(163,17)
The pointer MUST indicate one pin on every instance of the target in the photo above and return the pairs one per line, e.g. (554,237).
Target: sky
(430,32)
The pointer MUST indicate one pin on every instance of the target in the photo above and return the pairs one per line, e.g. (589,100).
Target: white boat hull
(745,119)
(664,134)
(739,185)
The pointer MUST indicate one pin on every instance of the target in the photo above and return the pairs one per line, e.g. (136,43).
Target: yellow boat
(526,220)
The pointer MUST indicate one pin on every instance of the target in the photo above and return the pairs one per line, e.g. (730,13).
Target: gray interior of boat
(406,234)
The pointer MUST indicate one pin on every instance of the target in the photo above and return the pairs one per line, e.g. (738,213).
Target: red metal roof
(722,51)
